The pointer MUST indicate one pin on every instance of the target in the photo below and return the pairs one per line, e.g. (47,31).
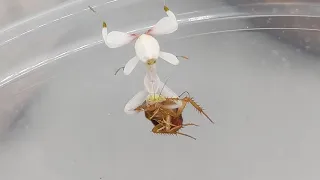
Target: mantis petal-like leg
(166,25)
(136,101)
(131,64)
(170,58)
(186,135)
(116,39)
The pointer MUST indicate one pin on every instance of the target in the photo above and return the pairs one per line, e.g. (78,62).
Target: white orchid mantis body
(146,46)
(154,91)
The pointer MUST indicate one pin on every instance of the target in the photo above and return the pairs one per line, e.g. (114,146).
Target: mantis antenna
(94,11)
(91,8)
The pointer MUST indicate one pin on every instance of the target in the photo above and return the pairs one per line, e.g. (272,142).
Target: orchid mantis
(154,89)
(147,48)
(155,92)
(161,106)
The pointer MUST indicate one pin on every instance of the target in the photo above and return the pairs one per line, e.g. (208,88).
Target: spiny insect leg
(181,108)
(196,106)
(168,112)
(186,135)
(189,124)
(155,112)
(144,107)
(156,131)
(158,128)
(169,123)
(140,108)
(174,129)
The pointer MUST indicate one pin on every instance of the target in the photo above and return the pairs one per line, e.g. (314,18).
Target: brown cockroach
(168,120)
(163,108)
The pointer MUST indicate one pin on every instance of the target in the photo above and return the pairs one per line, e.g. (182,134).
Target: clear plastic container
(253,66)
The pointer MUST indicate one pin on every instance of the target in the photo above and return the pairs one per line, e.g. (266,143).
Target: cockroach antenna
(185,92)
(165,83)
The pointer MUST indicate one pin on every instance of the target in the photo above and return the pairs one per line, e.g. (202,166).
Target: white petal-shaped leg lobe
(117,39)
(166,91)
(131,64)
(173,106)
(166,25)
(136,101)
(170,58)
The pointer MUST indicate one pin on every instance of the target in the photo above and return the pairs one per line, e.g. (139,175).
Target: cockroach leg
(174,129)
(158,130)
(197,106)
(169,112)
(170,124)
(181,108)
(189,124)
(140,108)
(186,100)
(155,112)
(186,135)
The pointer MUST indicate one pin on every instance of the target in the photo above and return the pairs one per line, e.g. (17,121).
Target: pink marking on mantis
(148,31)
(135,36)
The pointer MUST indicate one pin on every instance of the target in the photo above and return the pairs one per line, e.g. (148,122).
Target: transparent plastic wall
(253,66)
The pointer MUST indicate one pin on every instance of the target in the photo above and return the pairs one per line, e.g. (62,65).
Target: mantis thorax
(155,98)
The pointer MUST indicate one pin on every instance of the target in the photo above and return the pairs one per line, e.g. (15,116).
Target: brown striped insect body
(168,120)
